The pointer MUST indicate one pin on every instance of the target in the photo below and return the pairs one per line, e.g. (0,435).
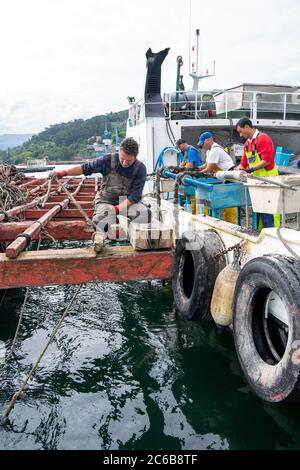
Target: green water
(125,373)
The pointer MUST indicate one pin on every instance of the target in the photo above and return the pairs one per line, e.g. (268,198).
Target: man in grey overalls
(122,185)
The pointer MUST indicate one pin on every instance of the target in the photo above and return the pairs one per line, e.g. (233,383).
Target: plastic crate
(283,156)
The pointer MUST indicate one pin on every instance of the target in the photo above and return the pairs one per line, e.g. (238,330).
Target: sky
(69,59)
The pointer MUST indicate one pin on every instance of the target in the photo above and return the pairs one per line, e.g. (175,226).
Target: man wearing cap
(216,157)
(190,155)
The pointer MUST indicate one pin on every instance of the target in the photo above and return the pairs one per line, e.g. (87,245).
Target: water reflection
(125,373)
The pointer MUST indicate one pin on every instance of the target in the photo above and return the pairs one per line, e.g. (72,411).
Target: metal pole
(247,207)
(283,208)
(254,106)
(284,106)
(197,56)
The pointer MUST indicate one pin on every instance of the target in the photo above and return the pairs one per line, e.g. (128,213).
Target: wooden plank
(58,229)
(98,242)
(68,213)
(145,236)
(83,265)
(84,204)
(61,197)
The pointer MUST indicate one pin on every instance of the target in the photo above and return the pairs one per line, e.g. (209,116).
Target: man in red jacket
(259,159)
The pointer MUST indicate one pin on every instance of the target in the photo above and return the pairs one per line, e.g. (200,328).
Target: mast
(195,67)
(106,139)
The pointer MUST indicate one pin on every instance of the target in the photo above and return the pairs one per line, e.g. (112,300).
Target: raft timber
(64,221)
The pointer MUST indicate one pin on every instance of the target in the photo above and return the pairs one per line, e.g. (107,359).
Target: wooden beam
(58,229)
(81,197)
(68,213)
(84,204)
(83,265)
(144,236)
(20,243)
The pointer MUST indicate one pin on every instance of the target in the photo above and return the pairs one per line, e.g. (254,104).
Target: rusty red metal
(82,265)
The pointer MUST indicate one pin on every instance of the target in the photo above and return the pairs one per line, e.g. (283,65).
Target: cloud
(64,59)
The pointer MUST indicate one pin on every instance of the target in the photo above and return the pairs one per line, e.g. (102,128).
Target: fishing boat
(244,279)
(241,278)
(35,166)
(157,121)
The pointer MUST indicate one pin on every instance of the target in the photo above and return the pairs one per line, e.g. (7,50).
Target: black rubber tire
(272,379)
(195,273)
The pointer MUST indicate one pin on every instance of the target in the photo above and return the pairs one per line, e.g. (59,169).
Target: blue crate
(223,196)
(283,156)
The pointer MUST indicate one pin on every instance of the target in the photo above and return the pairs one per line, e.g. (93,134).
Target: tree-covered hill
(66,141)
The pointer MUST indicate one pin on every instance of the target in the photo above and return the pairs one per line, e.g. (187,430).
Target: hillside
(13,140)
(67,140)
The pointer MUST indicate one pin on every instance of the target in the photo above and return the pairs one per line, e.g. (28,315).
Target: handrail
(253,100)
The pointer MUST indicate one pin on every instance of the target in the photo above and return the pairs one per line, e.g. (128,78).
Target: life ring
(196,270)
(266,326)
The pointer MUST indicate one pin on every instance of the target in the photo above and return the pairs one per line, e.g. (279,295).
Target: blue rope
(160,159)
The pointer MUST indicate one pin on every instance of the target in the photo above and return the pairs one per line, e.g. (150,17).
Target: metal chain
(237,247)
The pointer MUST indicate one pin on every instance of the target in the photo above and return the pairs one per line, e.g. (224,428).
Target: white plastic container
(167,185)
(267,198)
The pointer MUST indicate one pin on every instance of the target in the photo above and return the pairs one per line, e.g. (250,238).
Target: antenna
(117,139)
(195,69)
(106,139)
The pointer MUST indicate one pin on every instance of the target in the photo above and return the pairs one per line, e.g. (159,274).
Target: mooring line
(22,310)
(76,203)
(20,320)
(3,418)
(3,297)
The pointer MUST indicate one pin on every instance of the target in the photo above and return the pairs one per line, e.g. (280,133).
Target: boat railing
(233,103)
(136,112)
(255,104)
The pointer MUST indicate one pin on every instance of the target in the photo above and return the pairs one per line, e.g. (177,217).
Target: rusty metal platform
(50,214)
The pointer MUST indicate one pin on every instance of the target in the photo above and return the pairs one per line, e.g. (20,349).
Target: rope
(22,310)
(44,233)
(3,297)
(285,243)
(20,320)
(35,366)
(47,193)
(76,203)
